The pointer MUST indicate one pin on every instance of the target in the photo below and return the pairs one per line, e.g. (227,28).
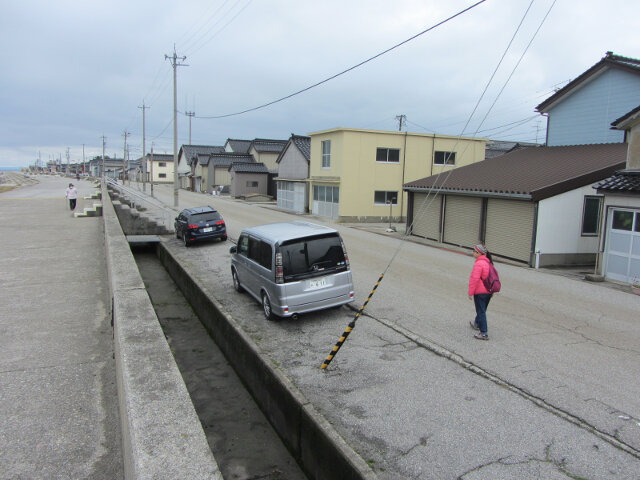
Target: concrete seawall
(162,435)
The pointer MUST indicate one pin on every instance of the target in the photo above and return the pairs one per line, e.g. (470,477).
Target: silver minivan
(292,268)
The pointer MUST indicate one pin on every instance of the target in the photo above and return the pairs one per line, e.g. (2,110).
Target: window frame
(598,213)
(252,184)
(326,154)
(446,158)
(387,155)
(386,195)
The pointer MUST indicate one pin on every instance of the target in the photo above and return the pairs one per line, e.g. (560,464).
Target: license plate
(321,282)
(207,229)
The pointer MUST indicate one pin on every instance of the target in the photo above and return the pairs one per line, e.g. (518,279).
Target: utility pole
(103,145)
(124,157)
(401,119)
(68,167)
(83,160)
(144,152)
(190,114)
(174,63)
(152,169)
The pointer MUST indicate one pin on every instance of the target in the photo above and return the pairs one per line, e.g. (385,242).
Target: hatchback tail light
(346,257)
(192,227)
(220,222)
(279,271)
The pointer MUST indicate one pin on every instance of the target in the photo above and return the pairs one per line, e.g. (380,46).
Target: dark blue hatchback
(200,223)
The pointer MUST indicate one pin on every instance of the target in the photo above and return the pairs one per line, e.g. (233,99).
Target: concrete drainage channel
(241,439)
(162,435)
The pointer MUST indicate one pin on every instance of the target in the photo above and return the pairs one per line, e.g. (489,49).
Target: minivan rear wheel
(266,307)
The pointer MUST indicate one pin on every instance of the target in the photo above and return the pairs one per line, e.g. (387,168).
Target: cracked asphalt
(553,394)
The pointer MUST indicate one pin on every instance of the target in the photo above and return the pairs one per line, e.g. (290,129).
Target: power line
(348,69)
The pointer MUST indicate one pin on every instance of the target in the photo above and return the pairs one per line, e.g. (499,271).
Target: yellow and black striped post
(350,327)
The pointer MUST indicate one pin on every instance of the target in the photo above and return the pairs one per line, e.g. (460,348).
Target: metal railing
(152,208)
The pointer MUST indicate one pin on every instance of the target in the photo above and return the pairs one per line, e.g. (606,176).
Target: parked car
(200,223)
(292,268)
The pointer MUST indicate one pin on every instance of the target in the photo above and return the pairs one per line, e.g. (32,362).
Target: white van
(292,268)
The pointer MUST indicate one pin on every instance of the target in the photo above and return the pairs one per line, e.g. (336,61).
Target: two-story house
(582,111)
(190,170)
(357,175)
(293,172)
(619,253)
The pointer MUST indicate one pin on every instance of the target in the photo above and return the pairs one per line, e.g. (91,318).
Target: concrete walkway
(58,401)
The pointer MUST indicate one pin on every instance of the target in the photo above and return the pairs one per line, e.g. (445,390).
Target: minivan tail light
(346,257)
(279,271)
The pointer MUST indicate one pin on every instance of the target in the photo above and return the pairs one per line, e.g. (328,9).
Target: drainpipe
(404,163)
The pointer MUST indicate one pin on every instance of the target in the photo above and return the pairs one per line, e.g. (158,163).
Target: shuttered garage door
(426,218)
(462,220)
(509,228)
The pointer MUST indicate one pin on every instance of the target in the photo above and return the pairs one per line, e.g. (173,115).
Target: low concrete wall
(161,434)
(320,451)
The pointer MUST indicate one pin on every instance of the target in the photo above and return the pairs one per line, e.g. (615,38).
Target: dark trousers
(72,203)
(481,302)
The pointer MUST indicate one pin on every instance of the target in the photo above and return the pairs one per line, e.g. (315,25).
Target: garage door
(509,228)
(291,196)
(622,252)
(462,220)
(426,215)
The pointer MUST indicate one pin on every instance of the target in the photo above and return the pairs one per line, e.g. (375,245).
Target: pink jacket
(480,271)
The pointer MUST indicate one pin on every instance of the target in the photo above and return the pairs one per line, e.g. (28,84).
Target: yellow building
(357,175)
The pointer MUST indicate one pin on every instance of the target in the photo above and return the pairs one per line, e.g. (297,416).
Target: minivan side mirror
(233,249)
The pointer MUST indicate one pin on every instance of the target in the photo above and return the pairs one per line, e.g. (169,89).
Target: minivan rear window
(206,217)
(312,256)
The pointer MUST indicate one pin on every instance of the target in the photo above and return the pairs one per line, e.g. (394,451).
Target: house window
(381,197)
(326,154)
(444,158)
(622,220)
(162,175)
(162,164)
(388,155)
(591,216)
(252,184)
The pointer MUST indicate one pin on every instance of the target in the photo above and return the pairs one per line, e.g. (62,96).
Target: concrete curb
(321,452)
(161,434)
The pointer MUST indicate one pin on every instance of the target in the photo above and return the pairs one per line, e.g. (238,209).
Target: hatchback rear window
(312,256)
(206,217)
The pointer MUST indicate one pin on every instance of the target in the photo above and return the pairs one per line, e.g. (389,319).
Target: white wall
(560,224)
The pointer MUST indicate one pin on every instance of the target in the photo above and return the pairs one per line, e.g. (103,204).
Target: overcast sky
(75,71)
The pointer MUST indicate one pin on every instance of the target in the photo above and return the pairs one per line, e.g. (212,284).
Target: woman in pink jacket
(478,292)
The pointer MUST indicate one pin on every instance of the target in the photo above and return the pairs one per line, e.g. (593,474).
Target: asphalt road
(560,370)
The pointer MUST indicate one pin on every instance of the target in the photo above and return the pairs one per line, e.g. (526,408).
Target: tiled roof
(192,151)
(239,146)
(623,181)
(203,159)
(608,61)
(249,167)
(226,159)
(302,143)
(268,146)
(626,120)
(533,173)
